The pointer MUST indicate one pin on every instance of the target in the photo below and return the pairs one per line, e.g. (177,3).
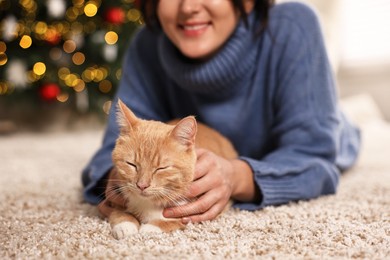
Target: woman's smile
(197,28)
(194,29)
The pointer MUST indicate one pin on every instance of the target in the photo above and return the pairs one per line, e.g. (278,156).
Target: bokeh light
(111,37)
(133,15)
(69,46)
(105,86)
(3,88)
(3,59)
(3,47)
(107,107)
(69,50)
(25,42)
(63,97)
(39,68)
(63,73)
(78,58)
(90,9)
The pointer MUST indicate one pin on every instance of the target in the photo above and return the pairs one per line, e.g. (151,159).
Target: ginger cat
(155,163)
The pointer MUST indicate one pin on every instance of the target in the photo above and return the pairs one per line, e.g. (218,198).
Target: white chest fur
(144,209)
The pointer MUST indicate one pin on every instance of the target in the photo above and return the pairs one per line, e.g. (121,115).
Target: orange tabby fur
(156,163)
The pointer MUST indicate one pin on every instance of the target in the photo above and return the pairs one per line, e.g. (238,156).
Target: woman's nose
(190,6)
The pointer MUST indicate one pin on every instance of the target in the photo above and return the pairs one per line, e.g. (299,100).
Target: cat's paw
(148,228)
(124,229)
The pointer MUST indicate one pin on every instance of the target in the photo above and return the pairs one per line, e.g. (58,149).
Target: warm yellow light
(107,107)
(105,86)
(63,73)
(88,75)
(69,46)
(40,27)
(104,71)
(118,74)
(79,85)
(52,35)
(111,37)
(62,27)
(90,9)
(39,68)
(78,2)
(29,5)
(25,42)
(78,58)
(71,80)
(71,14)
(32,77)
(99,75)
(3,47)
(133,15)
(3,59)
(63,97)
(3,88)
(78,11)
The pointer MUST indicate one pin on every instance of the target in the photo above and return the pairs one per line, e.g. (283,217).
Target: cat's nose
(142,185)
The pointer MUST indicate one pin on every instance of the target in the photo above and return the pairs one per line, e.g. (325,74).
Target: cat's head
(154,159)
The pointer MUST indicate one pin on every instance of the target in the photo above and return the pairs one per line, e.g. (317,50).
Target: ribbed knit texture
(219,76)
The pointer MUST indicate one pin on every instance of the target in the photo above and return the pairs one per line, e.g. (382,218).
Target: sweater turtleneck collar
(219,76)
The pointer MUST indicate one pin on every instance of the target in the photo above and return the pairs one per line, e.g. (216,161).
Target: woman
(260,76)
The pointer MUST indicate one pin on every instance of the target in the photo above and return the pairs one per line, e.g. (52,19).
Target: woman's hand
(114,199)
(215,182)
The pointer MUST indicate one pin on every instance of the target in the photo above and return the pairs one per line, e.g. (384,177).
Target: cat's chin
(145,195)
(163,202)
(157,200)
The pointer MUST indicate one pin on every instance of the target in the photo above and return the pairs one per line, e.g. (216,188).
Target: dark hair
(261,8)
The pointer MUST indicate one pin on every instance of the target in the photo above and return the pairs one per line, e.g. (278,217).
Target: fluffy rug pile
(43,216)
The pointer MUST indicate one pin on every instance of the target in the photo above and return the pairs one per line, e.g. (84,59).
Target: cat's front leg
(123,224)
(157,226)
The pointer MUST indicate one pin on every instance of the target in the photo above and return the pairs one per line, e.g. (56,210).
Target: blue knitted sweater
(272,94)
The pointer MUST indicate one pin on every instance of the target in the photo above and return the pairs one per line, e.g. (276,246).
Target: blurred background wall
(60,60)
(357,34)
(365,50)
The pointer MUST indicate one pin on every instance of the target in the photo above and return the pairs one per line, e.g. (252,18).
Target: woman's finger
(202,185)
(211,214)
(201,163)
(197,207)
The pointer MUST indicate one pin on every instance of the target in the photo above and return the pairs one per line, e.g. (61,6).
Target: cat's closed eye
(132,165)
(161,169)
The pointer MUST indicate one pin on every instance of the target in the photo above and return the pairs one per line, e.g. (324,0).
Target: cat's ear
(125,116)
(185,131)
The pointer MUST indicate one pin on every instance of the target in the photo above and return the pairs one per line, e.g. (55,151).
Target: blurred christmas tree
(64,53)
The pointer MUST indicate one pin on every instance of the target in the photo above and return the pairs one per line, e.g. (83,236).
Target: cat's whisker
(174,200)
(115,191)
(178,201)
(112,195)
(161,196)
(102,195)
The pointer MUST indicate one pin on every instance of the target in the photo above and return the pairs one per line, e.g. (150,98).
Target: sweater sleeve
(135,90)
(307,126)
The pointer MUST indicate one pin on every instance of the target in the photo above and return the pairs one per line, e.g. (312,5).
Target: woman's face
(199,28)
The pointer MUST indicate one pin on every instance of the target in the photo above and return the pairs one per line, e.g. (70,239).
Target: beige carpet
(42,215)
